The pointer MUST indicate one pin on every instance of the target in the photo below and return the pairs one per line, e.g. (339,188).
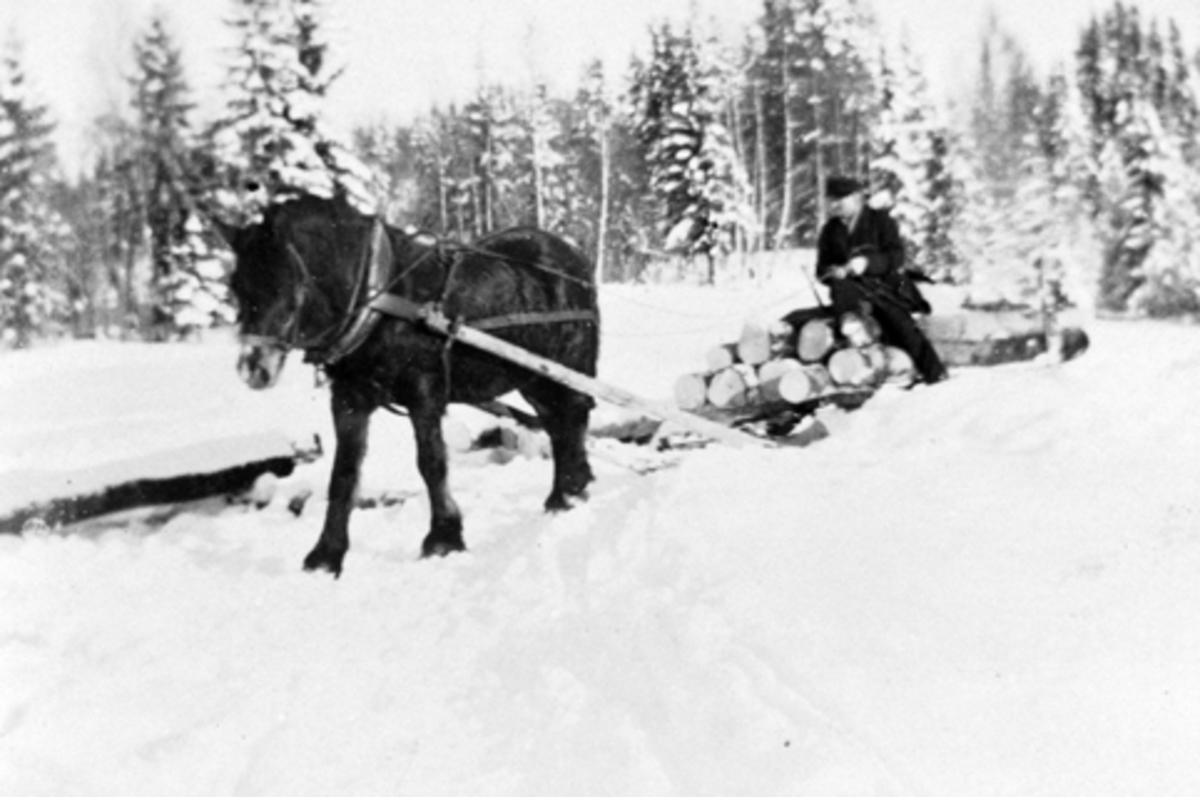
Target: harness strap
(381,304)
(376,273)
(408,310)
(527,319)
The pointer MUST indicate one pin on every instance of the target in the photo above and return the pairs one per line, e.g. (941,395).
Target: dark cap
(838,187)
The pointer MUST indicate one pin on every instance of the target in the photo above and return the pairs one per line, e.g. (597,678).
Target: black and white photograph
(638,398)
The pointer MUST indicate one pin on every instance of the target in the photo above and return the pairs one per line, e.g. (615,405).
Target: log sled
(789,368)
(811,358)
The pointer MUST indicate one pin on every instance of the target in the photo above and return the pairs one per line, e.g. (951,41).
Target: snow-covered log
(761,341)
(815,341)
(850,367)
(736,386)
(899,367)
(228,467)
(721,357)
(807,383)
(771,374)
(691,390)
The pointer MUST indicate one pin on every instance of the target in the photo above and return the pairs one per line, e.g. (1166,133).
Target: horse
(317,275)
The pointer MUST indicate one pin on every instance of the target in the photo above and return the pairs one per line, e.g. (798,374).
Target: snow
(982,588)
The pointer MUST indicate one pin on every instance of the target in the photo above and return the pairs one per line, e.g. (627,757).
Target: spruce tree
(1141,99)
(695,172)
(274,141)
(32,233)
(179,256)
(909,162)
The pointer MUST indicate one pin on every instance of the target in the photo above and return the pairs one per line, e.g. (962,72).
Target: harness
(374,283)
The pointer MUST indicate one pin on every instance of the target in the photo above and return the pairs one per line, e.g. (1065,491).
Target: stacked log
(782,364)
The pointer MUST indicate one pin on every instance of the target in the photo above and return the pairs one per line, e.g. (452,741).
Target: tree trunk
(815,101)
(539,202)
(602,226)
(784,231)
(760,166)
(140,492)
(443,213)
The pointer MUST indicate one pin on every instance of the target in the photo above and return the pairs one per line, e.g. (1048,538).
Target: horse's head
(293,281)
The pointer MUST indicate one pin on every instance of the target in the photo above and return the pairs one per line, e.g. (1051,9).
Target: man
(860,257)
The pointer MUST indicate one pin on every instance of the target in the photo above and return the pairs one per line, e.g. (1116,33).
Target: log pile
(796,362)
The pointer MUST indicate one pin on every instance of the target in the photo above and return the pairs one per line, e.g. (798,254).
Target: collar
(375,272)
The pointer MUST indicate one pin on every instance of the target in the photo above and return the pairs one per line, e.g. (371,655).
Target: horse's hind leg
(565,416)
(445,531)
(351,420)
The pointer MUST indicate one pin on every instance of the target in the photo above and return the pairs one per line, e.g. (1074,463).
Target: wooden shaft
(586,384)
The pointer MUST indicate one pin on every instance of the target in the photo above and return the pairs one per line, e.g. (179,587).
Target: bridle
(291,335)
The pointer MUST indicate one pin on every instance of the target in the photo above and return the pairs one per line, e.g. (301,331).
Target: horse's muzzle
(260,364)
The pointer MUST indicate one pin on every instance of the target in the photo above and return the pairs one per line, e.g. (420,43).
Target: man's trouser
(897,325)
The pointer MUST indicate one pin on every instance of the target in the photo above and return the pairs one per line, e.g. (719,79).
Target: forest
(691,162)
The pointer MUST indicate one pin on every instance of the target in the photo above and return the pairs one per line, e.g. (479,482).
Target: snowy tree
(546,162)
(695,170)
(909,149)
(812,93)
(496,131)
(195,293)
(1007,211)
(32,233)
(588,148)
(179,259)
(274,141)
(1152,218)
(1140,97)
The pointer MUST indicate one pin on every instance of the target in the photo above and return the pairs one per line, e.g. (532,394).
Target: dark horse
(308,277)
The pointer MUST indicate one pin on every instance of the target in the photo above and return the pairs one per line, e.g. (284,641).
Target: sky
(404,55)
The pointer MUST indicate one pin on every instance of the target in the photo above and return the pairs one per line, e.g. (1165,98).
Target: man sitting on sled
(860,257)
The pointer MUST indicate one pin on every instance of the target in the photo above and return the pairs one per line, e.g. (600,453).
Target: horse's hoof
(440,548)
(561,502)
(320,559)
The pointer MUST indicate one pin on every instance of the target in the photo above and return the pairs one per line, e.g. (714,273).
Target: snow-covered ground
(984,588)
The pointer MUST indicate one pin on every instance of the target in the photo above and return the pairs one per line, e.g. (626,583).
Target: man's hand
(857,265)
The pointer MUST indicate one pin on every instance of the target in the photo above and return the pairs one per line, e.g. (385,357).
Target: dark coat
(876,237)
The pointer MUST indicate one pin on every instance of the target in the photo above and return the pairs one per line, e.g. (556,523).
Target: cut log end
(852,368)
(691,391)
(734,387)
(815,341)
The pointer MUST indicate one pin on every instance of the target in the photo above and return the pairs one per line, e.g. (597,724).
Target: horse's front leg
(351,421)
(445,528)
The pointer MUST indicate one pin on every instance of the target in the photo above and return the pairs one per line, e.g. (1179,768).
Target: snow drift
(982,588)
